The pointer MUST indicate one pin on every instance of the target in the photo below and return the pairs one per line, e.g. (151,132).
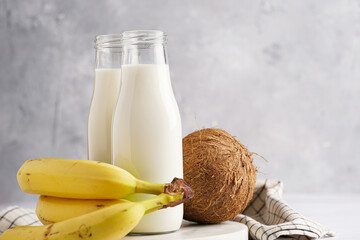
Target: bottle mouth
(108,41)
(143,37)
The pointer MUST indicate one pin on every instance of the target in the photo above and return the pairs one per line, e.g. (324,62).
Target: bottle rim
(108,41)
(143,37)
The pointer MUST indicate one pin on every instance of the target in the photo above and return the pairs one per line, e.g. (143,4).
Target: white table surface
(336,212)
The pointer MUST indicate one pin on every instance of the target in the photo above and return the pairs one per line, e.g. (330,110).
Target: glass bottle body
(147,139)
(106,91)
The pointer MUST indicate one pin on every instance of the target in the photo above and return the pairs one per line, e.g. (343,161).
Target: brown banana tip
(179,186)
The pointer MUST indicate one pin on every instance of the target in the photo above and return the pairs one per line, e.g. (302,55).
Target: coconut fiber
(221,172)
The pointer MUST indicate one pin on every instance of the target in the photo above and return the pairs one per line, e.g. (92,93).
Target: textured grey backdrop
(282,76)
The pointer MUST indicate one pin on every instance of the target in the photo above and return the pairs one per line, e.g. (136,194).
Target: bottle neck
(108,51)
(144,47)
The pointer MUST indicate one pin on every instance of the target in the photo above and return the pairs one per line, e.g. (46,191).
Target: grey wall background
(282,76)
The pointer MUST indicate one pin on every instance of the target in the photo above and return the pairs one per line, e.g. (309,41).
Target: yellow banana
(83,179)
(53,209)
(109,223)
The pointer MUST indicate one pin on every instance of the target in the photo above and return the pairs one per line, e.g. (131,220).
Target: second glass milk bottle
(147,137)
(106,92)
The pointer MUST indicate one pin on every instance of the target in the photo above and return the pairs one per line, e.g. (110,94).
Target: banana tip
(178,186)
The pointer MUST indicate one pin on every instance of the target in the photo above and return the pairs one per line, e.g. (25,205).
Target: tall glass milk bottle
(147,137)
(106,91)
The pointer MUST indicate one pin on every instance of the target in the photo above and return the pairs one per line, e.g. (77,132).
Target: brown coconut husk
(220,171)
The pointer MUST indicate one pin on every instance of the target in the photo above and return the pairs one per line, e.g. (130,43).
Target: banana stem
(150,188)
(160,201)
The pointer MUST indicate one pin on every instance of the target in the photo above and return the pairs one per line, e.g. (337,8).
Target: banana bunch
(81,199)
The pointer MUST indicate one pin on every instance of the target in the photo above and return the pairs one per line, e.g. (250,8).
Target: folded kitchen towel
(268,217)
(16,216)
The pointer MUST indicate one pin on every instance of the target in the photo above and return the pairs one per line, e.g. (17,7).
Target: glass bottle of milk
(147,137)
(105,95)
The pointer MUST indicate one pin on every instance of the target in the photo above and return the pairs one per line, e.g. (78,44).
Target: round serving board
(191,231)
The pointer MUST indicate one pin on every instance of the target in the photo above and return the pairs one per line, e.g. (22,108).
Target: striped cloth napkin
(268,217)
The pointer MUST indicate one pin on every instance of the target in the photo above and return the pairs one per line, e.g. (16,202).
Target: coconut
(221,172)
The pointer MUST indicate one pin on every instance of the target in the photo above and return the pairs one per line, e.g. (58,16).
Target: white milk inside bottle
(147,137)
(106,91)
